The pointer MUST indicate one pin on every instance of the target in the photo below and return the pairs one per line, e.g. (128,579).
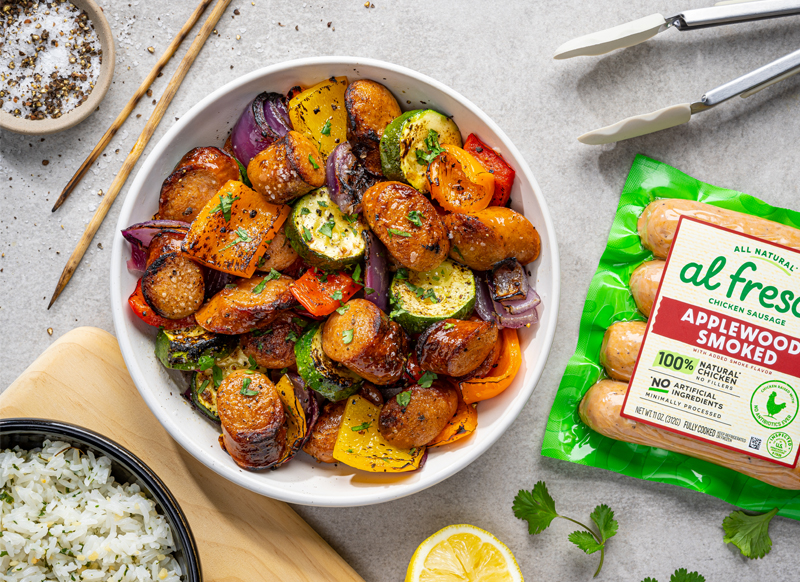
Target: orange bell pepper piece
(321,294)
(463,424)
(458,181)
(503,373)
(233,229)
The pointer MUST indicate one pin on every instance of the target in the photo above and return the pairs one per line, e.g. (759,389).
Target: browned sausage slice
(252,417)
(173,285)
(323,436)
(388,208)
(416,424)
(241,309)
(280,255)
(197,177)
(454,347)
(287,169)
(272,346)
(366,341)
(370,108)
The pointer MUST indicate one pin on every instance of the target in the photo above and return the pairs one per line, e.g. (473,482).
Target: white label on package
(720,360)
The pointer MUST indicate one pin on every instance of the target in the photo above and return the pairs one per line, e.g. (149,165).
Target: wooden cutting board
(241,535)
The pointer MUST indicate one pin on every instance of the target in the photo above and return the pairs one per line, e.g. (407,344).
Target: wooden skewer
(138,147)
(126,111)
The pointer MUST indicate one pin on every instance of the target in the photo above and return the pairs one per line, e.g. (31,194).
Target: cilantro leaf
(585,541)
(241,236)
(603,516)
(260,287)
(326,129)
(327,228)
(216,374)
(304,210)
(369,290)
(341,310)
(415,217)
(357,273)
(403,233)
(426,380)
(749,533)
(649,579)
(347,336)
(245,390)
(360,427)
(322,204)
(253,363)
(536,507)
(404,398)
(682,575)
(337,295)
(225,204)
(205,362)
(432,146)
(313,162)
(307,234)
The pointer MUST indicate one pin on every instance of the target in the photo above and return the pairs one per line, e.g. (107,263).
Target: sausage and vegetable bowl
(337,278)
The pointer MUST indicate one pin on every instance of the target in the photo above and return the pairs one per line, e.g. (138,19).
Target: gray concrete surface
(498,55)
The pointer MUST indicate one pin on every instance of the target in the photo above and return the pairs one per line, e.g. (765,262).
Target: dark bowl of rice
(107,515)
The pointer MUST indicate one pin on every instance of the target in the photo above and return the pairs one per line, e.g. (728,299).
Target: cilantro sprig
(433,149)
(681,575)
(538,508)
(241,236)
(749,533)
(226,201)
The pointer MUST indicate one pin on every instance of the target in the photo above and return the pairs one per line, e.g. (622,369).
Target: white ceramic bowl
(303,480)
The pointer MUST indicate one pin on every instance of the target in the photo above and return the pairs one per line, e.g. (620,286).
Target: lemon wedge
(463,553)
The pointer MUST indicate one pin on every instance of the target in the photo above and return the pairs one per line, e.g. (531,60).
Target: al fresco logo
(741,286)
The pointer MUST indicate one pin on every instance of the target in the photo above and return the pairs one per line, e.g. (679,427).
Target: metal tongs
(638,31)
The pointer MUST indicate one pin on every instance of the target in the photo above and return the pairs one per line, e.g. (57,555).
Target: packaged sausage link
(687,368)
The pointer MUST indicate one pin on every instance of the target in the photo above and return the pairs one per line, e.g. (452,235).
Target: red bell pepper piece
(150,317)
(322,293)
(412,372)
(494,162)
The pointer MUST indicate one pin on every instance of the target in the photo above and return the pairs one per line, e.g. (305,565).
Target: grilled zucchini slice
(331,379)
(186,349)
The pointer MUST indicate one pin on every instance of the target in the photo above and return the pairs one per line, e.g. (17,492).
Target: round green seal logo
(779,445)
(774,404)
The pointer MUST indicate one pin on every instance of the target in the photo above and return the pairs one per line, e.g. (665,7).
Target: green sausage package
(687,368)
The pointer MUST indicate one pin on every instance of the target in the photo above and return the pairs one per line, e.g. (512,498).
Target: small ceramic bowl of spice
(56,63)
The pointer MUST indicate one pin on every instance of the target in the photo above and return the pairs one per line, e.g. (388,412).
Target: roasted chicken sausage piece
(454,348)
(416,424)
(197,177)
(172,285)
(658,222)
(644,284)
(392,210)
(271,346)
(323,436)
(600,411)
(366,341)
(287,169)
(620,348)
(253,428)
(238,309)
(482,239)
(280,255)
(370,108)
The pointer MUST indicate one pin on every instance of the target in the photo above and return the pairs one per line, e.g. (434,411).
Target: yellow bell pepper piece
(319,113)
(360,445)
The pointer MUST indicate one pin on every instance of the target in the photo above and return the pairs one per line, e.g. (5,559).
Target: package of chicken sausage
(687,368)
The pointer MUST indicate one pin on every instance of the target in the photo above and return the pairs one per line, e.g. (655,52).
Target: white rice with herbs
(64,517)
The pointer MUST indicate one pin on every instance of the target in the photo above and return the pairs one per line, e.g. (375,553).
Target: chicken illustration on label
(720,358)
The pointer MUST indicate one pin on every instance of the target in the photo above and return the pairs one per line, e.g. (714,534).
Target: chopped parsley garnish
(241,235)
(326,129)
(415,217)
(253,363)
(404,398)
(313,161)
(351,218)
(205,362)
(327,228)
(448,326)
(347,336)
(260,332)
(369,290)
(392,231)
(455,248)
(337,295)
(307,234)
(243,175)
(216,374)
(260,287)
(322,204)
(432,146)
(283,371)
(271,276)
(203,387)
(225,203)
(230,286)
(426,380)
(341,310)
(299,322)
(291,337)
(361,427)
(245,390)
(304,210)
(357,273)
(402,273)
